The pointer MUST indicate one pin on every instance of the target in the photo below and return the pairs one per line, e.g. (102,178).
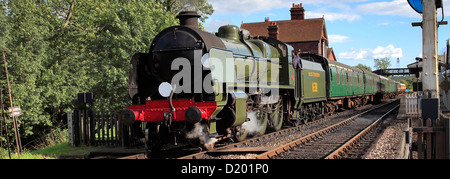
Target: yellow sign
(315,87)
(314,74)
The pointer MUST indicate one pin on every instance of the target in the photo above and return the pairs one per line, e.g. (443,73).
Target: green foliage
(407,80)
(382,63)
(63,149)
(364,67)
(4,27)
(126,28)
(176,6)
(56,49)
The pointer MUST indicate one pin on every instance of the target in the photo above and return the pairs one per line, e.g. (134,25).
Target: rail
(303,140)
(341,151)
(252,140)
(313,136)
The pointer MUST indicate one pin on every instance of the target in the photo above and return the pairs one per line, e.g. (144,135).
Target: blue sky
(358,30)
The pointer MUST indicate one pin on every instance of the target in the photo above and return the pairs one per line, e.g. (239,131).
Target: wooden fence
(412,101)
(432,138)
(94,128)
(431,135)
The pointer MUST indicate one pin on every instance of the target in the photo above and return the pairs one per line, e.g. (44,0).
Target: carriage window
(350,78)
(331,73)
(358,79)
(361,79)
(338,80)
(346,77)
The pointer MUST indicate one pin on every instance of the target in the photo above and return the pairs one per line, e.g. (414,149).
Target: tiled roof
(291,30)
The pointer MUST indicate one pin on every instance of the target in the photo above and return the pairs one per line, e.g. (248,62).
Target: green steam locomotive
(203,88)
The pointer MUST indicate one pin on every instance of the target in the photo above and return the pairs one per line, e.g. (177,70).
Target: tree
(382,63)
(59,48)
(364,67)
(29,49)
(176,6)
(126,28)
(4,28)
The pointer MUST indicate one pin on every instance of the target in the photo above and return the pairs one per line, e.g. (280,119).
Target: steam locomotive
(202,88)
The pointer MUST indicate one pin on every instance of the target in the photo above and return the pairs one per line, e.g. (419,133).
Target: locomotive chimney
(297,12)
(189,19)
(273,30)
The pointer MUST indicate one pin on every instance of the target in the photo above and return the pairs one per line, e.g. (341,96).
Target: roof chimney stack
(273,30)
(297,12)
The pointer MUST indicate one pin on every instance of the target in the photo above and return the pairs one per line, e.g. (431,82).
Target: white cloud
(341,9)
(361,54)
(334,39)
(389,51)
(393,8)
(212,25)
(246,6)
(384,23)
(331,16)
(394,23)
(368,54)
(250,6)
(349,10)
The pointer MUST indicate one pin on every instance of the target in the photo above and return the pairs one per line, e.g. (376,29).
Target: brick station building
(308,35)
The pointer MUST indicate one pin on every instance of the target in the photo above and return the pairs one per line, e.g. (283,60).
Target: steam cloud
(200,133)
(252,126)
(188,5)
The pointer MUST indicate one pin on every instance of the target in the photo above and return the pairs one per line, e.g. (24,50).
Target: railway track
(311,140)
(335,141)
(273,144)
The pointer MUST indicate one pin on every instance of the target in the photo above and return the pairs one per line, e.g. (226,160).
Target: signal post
(432,130)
